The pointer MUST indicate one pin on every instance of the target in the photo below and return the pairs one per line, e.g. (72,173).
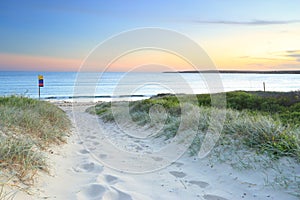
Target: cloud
(283,55)
(259,58)
(292,51)
(286,67)
(293,54)
(250,23)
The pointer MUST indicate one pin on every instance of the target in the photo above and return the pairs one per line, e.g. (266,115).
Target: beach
(150,100)
(76,171)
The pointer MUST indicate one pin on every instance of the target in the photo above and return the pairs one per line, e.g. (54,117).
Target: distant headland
(241,72)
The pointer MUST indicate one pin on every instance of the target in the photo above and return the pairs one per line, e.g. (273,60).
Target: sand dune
(78,170)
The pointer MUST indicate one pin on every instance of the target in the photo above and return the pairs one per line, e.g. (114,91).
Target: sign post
(41,84)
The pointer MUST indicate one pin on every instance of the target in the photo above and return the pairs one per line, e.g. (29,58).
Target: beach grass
(28,127)
(260,132)
(264,122)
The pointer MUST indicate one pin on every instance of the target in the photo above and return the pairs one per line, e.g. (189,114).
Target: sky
(237,35)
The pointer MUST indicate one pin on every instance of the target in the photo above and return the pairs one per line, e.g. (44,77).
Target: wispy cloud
(282,55)
(264,58)
(286,67)
(293,54)
(250,23)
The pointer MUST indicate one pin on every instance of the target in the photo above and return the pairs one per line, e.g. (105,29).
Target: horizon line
(184,71)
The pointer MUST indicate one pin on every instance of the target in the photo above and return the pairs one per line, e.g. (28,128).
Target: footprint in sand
(201,184)
(213,197)
(88,167)
(121,195)
(124,196)
(178,164)
(91,137)
(84,151)
(111,179)
(178,174)
(157,158)
(93,191)
(102,156)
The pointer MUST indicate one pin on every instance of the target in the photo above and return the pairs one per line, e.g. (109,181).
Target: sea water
(69,85)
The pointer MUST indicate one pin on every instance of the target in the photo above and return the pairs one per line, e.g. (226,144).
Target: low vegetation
(266,122)
(260,132)
(27,128)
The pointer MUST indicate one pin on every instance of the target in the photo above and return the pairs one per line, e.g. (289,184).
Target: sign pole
(41,84)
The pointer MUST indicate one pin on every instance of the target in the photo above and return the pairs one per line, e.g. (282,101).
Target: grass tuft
(27,128)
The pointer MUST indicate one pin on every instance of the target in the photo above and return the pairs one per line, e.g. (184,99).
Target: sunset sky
(237,35)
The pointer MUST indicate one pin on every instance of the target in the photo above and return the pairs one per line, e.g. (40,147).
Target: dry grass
(27,128)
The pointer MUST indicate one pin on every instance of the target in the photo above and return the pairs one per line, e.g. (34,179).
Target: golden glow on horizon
(149,60)
(249,49)
(38,63)
(259,50)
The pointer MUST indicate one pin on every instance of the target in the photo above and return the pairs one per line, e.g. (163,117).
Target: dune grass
(261,130)
(263,122)
(27,128)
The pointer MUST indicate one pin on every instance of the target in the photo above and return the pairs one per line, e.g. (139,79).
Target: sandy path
(78,173)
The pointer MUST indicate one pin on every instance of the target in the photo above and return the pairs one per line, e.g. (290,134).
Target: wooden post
(264,86)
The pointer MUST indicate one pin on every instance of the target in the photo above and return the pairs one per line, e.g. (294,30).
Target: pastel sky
(237,35)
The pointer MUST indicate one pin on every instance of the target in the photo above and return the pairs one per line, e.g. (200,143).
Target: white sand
(77,171)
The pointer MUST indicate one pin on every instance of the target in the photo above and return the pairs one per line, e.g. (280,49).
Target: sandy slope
(79,171)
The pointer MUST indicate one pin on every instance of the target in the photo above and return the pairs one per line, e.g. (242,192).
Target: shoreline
(107,98)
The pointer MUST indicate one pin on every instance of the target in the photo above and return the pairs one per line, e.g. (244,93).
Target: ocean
(70,85)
